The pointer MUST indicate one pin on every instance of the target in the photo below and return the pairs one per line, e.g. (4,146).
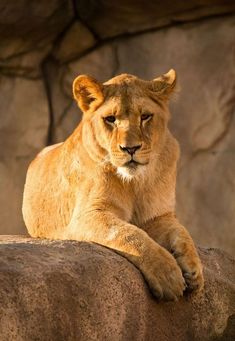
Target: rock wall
(67,290)
(44,45)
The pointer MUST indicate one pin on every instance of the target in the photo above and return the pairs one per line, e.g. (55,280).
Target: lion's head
(125,119)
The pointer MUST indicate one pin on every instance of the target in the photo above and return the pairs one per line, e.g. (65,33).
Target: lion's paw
(191,267)
(164,277)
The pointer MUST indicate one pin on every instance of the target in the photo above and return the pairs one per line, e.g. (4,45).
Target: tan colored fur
(85,189)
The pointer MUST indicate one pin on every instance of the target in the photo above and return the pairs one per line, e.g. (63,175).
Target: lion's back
(48,199)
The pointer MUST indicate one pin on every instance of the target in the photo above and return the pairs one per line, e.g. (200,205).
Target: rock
(109,18)
(67,290)
(27,34)
(27,25)
(27,65)
(76,40)
(23,132)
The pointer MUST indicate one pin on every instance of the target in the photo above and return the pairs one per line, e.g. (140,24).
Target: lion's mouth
(134,164)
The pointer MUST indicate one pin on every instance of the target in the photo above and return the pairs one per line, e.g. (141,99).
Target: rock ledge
(67,290)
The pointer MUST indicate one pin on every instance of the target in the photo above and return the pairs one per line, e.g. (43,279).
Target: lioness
(112,182)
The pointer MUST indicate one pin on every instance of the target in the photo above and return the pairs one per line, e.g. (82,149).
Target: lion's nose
(130,150)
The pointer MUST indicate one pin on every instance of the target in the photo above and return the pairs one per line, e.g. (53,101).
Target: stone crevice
(116,62)
(45,75)
(217,140)
(227,124)
(126,35)
(175,22)
(19,72)
(100,42)
(59,37)
(85,23)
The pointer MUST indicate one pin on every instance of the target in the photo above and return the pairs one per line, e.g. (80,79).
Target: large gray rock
(66,290)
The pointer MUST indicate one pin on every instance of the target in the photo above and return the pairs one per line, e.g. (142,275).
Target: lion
(112,182)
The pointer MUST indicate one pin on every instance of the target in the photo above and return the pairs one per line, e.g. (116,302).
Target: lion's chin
(131,170)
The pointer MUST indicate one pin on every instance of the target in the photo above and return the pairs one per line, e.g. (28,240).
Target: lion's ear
(164,85)
(87,92)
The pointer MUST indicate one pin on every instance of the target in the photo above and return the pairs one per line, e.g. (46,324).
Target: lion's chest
(152,201)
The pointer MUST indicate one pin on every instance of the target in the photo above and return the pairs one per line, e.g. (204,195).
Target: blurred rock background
(45,44)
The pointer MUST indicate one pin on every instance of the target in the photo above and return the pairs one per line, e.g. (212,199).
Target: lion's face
(129,130)
(124,120)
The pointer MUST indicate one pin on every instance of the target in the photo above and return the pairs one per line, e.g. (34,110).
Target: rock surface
(23,131)
(75,41)
(26,25)
(110,18)
(67,290)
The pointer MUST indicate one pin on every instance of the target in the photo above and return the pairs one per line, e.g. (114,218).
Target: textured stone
(23,132)
(26,25)
(65,290)
(76,40)
(109,18)
(27,65)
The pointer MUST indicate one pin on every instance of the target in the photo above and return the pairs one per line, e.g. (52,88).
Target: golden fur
(113,182)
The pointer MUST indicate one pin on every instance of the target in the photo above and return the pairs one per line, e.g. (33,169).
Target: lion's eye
(145,117)
(110,119)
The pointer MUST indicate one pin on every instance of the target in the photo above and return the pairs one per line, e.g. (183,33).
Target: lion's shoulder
(48,148)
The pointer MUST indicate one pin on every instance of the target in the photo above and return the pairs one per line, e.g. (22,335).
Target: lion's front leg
(158,266)
(169,233)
